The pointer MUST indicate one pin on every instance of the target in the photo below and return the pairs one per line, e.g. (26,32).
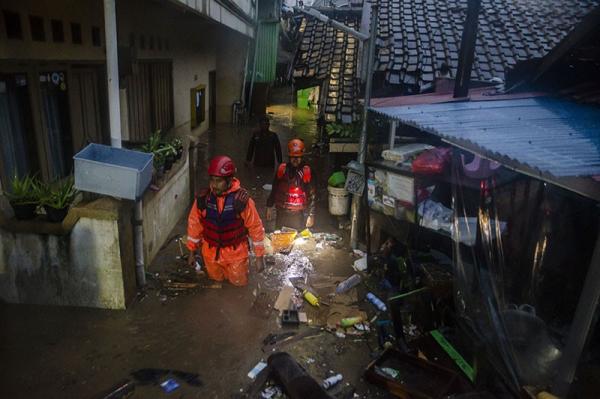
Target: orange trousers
(232,263)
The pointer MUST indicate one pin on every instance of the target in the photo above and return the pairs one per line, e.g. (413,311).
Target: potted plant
(177,144)
(24,196)
(57,198)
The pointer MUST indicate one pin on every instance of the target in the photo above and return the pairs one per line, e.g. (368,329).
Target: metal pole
(362,147)
(467,50)
(251,92)
(580,329)
(112,72)
(393,125)
(138,227)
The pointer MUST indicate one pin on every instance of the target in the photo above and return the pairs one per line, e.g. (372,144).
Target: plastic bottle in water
(348,283)
(378,303)
(331,381)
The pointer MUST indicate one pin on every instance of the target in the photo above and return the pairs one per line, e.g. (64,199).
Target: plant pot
(24,211)
(169,163)
(179,153)
(56,215)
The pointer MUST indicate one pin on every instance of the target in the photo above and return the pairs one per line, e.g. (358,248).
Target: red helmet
(221,166)
(295,148)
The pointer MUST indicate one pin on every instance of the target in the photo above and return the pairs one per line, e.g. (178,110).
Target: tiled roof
(326,55)
(416,37)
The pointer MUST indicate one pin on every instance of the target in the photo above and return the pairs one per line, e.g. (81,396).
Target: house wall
(231,58)
(88,13)
(90,266)
(188,43)
(215,10)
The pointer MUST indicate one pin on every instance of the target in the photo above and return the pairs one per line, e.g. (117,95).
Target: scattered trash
(306,233)
(421,378)
(340,334)
(310,298)
(302,317)
(290,317)
(310,360)
(267,187)
(295,381)
(389,371)
(169,385)
(271,392)
(360,265)
(359,253)
(256,369)
(350,321)
(283,241)
(348,283)
(331,381)
(378,303)
(272,339)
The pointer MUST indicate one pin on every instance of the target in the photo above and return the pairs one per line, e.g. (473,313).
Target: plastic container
(337,179)
(310,298)
(339,200)
(113,171)
(378,303)
(350,321)
(331,381)
(348,283)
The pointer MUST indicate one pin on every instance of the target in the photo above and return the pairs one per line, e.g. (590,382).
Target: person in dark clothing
(293,192)
(264,146)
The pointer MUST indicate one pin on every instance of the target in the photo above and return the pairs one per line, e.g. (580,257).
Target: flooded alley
(214,329)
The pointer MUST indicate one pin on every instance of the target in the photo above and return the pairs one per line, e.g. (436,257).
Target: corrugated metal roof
(266,61)
(549,135)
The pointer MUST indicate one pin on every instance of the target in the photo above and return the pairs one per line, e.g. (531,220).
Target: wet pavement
(213,330)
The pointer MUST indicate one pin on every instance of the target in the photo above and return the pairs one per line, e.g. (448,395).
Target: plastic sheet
(518,283)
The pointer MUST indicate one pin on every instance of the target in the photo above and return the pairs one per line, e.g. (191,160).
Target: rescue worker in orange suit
(220,222)
(293,192)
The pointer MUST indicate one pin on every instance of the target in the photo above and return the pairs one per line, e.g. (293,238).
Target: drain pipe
(138,242)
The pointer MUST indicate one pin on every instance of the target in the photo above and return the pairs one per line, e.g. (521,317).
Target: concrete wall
(231,58)
(163,209)
(88,13)
(90,266)
(216,11)
(189,47)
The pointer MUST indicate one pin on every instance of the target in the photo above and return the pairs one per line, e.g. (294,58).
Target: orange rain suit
(232,262)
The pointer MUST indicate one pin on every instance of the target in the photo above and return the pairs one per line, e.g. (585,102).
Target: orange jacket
(252,223)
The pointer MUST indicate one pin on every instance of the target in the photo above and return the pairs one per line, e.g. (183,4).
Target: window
(36,25)
(149,99)
(12,22)
(58,33)
(96,39)
(55,115)
(76,33)
(198,105)
(17,152)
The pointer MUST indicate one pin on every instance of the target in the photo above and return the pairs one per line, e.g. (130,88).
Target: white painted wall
(83,268)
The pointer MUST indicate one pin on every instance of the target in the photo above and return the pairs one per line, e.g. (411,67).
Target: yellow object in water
(546,395)
(310,298)
(306,233)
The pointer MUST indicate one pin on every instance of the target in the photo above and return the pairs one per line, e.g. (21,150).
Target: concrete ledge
(101,209)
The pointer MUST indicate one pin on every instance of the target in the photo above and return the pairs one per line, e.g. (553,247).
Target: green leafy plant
(60,194)
(25,191)
(343,130)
